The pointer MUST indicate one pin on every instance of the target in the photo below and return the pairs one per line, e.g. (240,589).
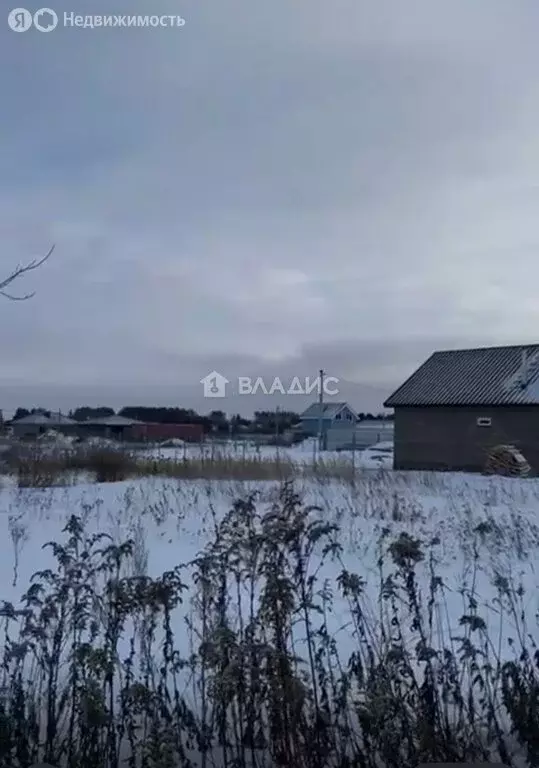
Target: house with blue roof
(338,423)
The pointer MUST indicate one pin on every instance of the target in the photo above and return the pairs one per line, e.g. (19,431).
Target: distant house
(122,428)
(39,423)
(338,424)
(460,403)
(108,427)
(190,433)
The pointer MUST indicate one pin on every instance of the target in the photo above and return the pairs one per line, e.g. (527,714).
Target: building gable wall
(451,438)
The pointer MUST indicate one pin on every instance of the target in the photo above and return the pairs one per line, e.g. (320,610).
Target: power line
(321,411)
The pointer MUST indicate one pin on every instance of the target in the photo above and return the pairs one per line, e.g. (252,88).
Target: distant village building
(189,433)
(40,422)
(461,403)
(338,424)
(109,427)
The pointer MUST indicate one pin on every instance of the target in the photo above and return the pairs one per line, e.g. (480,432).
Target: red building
(192,433)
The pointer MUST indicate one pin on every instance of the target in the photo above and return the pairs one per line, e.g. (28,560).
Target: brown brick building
(192,433)
(460,403)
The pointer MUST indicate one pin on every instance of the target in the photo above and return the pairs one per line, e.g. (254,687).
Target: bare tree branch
(22,270)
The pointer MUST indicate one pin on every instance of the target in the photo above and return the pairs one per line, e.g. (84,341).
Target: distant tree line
(21,412)
(85,413)
(263,422)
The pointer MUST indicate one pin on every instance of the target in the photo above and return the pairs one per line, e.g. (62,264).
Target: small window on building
(338,417)
(484,421)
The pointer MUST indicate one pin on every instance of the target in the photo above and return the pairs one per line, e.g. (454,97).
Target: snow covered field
(422,562)
(379,455)
(477,529)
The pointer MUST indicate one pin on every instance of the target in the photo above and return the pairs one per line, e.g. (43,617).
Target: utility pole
(321,412)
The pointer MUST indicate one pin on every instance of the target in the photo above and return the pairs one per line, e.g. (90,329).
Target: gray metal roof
(330,410)
(33,418)
(484,376)
(112,421)
(41,419)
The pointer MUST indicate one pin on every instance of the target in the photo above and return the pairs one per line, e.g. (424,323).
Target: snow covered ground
(475,531)
(474,541)
(379,455)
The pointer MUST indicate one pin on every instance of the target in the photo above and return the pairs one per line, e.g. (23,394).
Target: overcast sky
(275,187)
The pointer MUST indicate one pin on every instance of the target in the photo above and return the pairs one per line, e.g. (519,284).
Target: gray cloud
(273,187)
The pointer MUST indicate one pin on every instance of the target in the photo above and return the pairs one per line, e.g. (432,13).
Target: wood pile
(507,460)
